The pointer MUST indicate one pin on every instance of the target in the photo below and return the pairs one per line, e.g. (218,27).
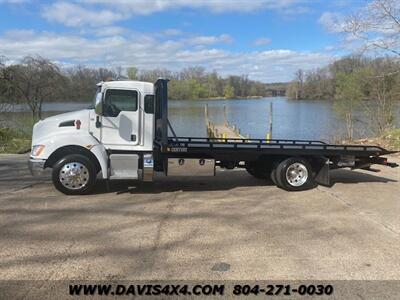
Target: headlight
(37,150)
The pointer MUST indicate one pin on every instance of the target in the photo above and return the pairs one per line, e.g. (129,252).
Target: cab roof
(146,87)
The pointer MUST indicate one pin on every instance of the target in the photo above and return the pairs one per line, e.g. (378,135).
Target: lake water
(291,119)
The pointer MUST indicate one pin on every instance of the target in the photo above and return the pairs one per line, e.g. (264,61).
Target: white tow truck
(125,136)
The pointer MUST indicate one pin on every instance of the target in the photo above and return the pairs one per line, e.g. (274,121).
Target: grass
(16,131)
(392,138)
(14,141)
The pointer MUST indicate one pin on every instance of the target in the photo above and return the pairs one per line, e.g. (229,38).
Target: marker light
(37,150)
(78,124)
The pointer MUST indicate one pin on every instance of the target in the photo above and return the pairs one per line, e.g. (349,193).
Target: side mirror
(98,106)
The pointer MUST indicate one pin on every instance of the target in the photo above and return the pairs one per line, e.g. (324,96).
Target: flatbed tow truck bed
(256,155)
(198,145)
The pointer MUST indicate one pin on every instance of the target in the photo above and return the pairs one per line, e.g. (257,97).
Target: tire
(294,174)
(273,176)
(74,174)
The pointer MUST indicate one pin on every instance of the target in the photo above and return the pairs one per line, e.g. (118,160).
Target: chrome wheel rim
(74,176)
(296,174)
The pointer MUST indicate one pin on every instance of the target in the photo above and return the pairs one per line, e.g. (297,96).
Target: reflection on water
(291,119)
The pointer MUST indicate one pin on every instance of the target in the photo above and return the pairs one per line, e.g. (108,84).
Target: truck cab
(114,138)
(123,118)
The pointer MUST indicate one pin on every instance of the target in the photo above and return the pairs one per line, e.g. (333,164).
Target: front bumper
(36,166)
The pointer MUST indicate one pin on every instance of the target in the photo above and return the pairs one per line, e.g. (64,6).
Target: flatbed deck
(199,145)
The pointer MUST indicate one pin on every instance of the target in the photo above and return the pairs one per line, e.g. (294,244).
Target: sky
(268,40)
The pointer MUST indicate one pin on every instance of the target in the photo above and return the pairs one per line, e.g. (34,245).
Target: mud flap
(322,176)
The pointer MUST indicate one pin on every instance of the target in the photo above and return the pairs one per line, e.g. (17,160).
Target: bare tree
(153,75)
(6,104)
(35,80)
(132,73)
(383,90)
(81,84)
(118,70)
(348,97)
(192,73)
(295,89)
(104,74)
(376,26)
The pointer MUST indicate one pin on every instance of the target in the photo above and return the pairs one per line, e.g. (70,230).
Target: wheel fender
(322,177)
(101,154)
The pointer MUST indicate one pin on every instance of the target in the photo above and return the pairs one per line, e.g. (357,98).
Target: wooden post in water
(270,120)
(206,113)
(225,117)
(269,134)
(206,119)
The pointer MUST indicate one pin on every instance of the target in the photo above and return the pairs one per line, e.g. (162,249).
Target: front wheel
(74,174)
(294,174)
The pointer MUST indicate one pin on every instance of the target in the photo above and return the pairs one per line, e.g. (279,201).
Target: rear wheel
(74,174)
(294,174)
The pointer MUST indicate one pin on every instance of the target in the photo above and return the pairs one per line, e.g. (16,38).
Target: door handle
(133,137)
(98,123)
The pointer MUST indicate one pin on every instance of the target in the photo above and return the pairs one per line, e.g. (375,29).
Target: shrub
(14,141)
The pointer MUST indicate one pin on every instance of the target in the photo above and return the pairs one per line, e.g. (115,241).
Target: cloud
(14,1)
(332,22)
(109,31)
(331,48)
(74,15)
(210,39)
(151,52)
(105,12)
(262,41)
(172,32)
(19,34)
(146,7)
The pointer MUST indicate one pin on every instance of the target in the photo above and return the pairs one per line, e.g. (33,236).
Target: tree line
(322,83)
(196,83)
(355,84)
(35,80)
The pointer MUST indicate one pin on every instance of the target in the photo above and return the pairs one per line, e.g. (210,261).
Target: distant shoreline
(223,98)
(197,99)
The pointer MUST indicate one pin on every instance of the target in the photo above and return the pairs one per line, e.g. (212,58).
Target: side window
(116,101)
(149,104)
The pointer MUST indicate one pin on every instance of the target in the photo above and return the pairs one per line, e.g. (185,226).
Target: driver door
(120,120)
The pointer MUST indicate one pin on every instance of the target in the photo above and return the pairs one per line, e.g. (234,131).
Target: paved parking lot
(228,227)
